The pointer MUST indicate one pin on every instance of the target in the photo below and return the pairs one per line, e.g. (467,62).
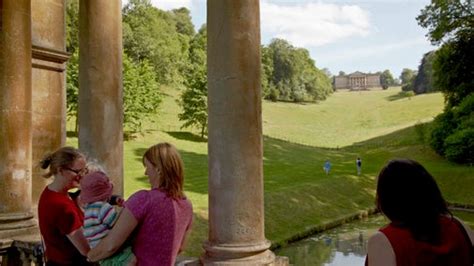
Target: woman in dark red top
(422,231)
(60,219)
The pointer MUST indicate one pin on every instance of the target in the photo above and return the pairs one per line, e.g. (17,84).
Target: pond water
(345,245)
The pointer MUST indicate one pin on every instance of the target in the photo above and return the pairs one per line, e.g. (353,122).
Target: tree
(291,74)
(446,19)
(72,25)
(193,100)
(451,22)
(155,38)
(342,73)
(184,24)
(424,80)
(72,88)
(453,69)
(386,79)
(407,76)
(141,95)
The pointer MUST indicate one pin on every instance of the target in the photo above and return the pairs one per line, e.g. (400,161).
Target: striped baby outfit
(99,217)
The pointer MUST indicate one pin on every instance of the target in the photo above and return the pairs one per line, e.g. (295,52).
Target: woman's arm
(380,252)
(115,238)
(469,232)
(79,241)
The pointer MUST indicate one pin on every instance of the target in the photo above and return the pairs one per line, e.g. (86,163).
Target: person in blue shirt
(327,167)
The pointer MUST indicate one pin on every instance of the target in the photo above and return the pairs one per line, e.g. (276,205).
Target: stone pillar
(49,92)
(236,210)
(15,117)
(100,85)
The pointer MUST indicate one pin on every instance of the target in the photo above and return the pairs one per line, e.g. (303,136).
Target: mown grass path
(298,138)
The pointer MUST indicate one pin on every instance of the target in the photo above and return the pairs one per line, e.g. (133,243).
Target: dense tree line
(289,74)
(451,23)
(161,48)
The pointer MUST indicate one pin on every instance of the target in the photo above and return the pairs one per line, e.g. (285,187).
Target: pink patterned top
(162,225)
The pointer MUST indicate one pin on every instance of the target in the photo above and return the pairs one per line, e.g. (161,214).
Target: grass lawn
(298,138)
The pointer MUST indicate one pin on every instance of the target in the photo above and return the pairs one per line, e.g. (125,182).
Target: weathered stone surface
(236,215)
(100,85)
(48,88)
(15,114)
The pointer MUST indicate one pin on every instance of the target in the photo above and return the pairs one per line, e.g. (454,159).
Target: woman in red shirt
(60,219)
(422,231)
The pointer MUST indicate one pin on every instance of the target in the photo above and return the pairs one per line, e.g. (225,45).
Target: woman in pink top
(158,219)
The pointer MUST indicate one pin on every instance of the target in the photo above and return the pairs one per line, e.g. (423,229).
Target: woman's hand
(115,238)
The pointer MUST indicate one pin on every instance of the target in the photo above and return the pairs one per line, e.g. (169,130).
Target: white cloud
(171,4)
(311,23)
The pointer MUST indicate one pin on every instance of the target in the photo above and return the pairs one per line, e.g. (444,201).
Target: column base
(15,224)
(238,254)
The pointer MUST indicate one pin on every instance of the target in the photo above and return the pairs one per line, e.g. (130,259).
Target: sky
(341,35)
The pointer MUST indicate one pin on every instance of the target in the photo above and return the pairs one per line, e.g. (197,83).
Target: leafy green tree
(141,95)
(184,24)
(72,25)
(386,79)
(446,19)
(451,22)
(291,74)
(407,76)
(453,69)
(150,33)
(72,88)
(193,100)
(424,80)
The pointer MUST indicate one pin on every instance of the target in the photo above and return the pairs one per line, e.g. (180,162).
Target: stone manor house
(356,81)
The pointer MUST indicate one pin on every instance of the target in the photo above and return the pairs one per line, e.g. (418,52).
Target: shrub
(273,95)
(443,126)
(459,147)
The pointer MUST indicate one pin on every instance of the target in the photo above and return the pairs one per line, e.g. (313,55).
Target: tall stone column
(236,210)
(100,85)
(15,117)
(49,86)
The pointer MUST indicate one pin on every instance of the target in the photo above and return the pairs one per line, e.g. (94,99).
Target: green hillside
(298,138)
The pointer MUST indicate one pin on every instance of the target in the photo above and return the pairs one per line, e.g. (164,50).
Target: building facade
(356,81)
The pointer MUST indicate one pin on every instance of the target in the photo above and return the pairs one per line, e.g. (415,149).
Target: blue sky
(347,35)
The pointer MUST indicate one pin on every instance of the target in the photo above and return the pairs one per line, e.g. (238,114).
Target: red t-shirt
(453,249)
(59,216)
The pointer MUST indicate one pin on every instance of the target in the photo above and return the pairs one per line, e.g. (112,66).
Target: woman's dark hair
(409,196)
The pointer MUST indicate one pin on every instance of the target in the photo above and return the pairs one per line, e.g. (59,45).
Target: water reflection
(343,246)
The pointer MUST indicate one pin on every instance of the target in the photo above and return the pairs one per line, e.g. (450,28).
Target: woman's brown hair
(62,157)
(166,157)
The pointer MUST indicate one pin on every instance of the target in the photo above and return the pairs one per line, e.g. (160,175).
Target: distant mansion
(356,81)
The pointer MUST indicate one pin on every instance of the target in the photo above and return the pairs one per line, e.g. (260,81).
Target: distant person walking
(359,165)
(327,167)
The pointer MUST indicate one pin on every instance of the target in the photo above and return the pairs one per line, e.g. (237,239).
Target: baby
(100,216)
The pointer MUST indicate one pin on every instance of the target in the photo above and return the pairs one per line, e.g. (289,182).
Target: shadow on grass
(183,135)
(71,134)
(195,170)
(400,95)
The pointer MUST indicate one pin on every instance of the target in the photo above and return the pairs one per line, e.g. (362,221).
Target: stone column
(15,117)
(236,213)
(100,85)
(49,86)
